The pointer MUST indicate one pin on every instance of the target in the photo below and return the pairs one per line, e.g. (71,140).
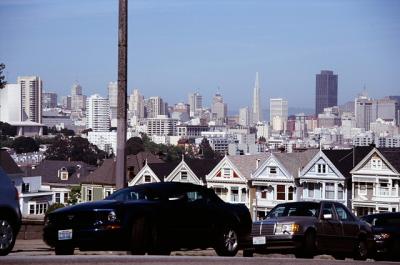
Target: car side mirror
(327,216)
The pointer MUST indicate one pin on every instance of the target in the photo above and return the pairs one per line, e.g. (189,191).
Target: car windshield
(131,195)
(298,209)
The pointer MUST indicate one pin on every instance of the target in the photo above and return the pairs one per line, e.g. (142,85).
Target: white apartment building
(278,114)
(98,113)
(244,116)
(161,125)
(155,106)
(113,100)
(196,103)
(10,103)
(31,98)
(107,141)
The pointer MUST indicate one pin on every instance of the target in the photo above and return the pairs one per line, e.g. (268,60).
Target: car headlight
(288,229)
(381,236)
(112,216)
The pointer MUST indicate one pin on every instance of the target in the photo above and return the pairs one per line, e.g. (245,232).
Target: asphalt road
(157,260)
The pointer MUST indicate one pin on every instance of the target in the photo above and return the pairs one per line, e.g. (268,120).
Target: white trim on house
(176,174)
(141,175)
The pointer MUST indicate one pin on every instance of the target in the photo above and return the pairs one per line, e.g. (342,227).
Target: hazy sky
(176,47)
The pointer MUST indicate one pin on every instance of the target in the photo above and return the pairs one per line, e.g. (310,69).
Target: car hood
(103,204)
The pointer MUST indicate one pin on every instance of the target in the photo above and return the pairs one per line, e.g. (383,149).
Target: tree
(24,144)
(74,195)
(134,145)
(205,149)
(3,82)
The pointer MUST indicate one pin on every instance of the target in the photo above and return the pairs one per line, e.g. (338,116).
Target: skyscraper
(278,113)
(244,118)
(154,106)
(98,113)
(219,109)
(136,104)
(49,100)
(31,98)
(363,111)
(195,102)
(256,114)
(113,100)
(326,91)
(78,100)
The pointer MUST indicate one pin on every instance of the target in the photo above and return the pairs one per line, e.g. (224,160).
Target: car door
(329,228)
(349,225)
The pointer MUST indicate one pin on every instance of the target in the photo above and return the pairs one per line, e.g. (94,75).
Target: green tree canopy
(7,130)
(24,144)
(205,149)
(134,145)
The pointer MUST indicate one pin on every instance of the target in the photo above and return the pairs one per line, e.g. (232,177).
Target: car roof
(387,214)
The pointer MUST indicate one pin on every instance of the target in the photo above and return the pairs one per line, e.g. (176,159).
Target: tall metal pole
(120,169)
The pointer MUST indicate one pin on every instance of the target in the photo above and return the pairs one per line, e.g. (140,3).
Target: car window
(298,209)
(328,209)
(130,195)
(276,212)
(342,213)
(194,196)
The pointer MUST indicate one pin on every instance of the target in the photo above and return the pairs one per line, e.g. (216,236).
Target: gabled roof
(201,167)
(162,170)
(8,164)
(105,174)
(247,164)
(293,162)
(48,170)
(345,160)
(392,155)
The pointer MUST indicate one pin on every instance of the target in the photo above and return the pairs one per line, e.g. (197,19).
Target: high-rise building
(98,113)
(326,91)
(49,100)
(244,116)
(195,102)
(219,109)
(161,125)
(10,103)
(363,111)
(385,109)
(278,108)
(78,100)
(66,102)
(256,114)
(136,104)
(31,98)
(154,106)
(113,100)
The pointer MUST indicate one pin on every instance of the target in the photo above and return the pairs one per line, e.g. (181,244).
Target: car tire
(309,248)
(138,238)
(227,243)
(64,250)
(7,235)
(361,250)
(157,247)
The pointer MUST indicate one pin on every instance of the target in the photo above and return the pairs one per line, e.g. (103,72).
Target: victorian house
(376,181)
(275,180)
(230,177)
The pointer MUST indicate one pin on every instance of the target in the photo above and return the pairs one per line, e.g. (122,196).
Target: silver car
(10,214)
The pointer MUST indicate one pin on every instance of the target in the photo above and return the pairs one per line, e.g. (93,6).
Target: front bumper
(277,243)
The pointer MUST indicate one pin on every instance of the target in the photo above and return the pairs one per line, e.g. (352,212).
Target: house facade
(376,181)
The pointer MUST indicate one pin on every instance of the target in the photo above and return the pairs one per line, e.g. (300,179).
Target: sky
(180,46)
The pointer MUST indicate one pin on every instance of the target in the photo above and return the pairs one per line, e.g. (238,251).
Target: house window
(272,170)
(310,190)
(147,178)
(107,192)
(376,163)
(64,175)
(234,194)
(66,197)
(321,168)
(340,192)
(226,172)
(25,187)
(184,175)
(290,194)
(31,209)
(362,188)
(384,187)
(58,197)
(264,194)
(329,191)
(280,192)
(38,208)
(89,195)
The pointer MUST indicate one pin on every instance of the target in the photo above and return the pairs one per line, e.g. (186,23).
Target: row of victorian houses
(366,179)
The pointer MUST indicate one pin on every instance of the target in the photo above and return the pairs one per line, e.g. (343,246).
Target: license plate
(259,240)
(65,234)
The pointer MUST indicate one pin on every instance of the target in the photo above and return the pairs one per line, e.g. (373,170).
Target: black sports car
(153,218)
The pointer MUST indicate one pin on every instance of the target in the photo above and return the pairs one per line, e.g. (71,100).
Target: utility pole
(120,172)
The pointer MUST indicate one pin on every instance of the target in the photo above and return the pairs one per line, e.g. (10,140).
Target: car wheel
(157,246)
(227,242)
(64,250)
(138,238)
(361,250)
(309,248)
(7,236)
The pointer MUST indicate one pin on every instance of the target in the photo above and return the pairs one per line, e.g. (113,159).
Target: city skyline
(219,45)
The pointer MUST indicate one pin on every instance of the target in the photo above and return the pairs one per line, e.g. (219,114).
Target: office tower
(256,114)
(154,106)
(98,113)
(31,98)
(66,102)
(10,103)
(363,111)
(49,100)
(278,108)
(195,102)
(326,91)
(113,100)
(78,100)
(244,116)
(397,99)
(385,109)
(219,109)
(136,104)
